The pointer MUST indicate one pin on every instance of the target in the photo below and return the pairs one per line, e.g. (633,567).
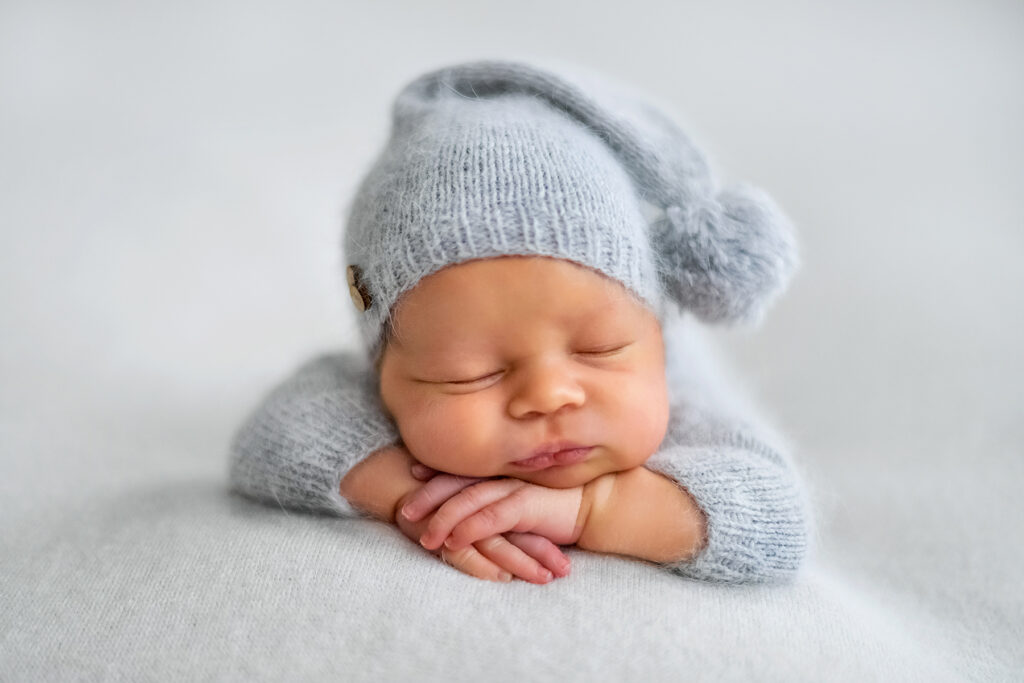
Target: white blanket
(170,193)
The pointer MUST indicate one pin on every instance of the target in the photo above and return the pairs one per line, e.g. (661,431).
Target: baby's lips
(566,456)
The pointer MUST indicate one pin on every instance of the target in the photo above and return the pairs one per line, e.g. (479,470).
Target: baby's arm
(755,514)
(379,482)
(308,432)
(641,514)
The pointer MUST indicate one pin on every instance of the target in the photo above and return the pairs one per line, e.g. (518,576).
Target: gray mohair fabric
(494,158)
(306,434)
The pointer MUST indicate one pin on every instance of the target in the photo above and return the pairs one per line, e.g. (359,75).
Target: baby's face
(526,367)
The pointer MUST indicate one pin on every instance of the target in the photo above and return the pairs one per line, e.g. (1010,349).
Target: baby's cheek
(452,436)
(648,418)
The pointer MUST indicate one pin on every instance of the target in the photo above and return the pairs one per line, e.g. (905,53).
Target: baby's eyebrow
(449,353)
(602,312)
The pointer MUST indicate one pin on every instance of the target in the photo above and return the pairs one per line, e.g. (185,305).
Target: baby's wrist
(378,484)
(593,507)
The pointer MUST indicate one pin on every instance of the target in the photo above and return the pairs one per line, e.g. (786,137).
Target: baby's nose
(545,389)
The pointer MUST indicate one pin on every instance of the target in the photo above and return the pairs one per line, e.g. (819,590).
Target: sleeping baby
(519,313)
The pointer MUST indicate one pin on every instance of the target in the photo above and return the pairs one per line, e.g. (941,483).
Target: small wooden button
(360,297)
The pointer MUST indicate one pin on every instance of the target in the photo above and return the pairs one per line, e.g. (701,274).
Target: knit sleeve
(305,435)
(756,509)
(737,468)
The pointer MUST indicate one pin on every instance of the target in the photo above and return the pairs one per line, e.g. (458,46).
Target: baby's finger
(422,472)
(509,556)
(470,561)
(508,514)
(541,549)
(433,493)
(467,503)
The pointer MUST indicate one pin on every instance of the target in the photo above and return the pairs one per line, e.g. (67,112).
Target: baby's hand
(496,557)
(474,509)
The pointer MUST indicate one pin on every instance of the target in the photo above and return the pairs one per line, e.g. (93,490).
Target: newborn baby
(540,370)
(519,388)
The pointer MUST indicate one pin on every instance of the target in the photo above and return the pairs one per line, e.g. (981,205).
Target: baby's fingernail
(448,542)
(546,575)
(504,577)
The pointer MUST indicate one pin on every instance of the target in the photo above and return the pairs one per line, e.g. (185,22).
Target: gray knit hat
(497,158)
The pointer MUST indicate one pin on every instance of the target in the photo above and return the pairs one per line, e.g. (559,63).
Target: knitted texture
(295,448)
(757,513)
(309,431)
(496,158)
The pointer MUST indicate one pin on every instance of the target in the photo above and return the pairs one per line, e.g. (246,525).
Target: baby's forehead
(511,295)
(600,323)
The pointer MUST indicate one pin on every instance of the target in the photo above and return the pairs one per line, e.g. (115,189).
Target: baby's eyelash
(473,380)
(592,352)
(605,351)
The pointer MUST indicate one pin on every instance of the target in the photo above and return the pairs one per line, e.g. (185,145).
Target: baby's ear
(726,258)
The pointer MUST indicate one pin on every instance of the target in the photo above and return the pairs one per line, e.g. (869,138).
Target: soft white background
(173,178)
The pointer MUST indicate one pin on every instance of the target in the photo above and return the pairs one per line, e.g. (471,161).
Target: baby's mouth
(568,454)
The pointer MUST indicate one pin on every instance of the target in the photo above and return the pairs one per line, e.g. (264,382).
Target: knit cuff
(299,444)
(296,456)
(755,507)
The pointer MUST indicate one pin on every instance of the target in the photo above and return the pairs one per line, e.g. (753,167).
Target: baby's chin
(564,477)
(557,477)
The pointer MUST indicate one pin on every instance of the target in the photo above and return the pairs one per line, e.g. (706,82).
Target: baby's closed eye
(463,383)
(473,380)
(606,350)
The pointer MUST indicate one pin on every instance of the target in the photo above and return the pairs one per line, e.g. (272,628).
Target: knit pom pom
(726,258)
